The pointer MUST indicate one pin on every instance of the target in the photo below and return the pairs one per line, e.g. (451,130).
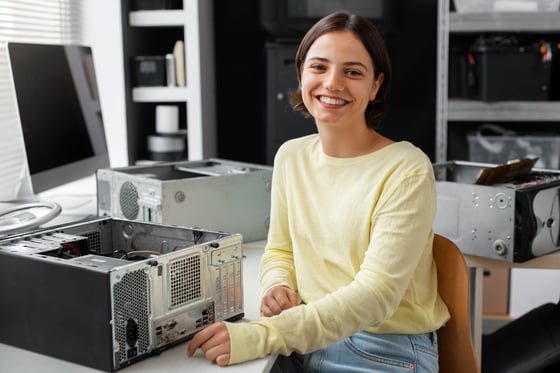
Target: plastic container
(167,148)
(149,71)
(503,148)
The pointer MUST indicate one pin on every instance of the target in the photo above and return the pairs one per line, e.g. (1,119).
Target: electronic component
(216,194)
(107,292)
(513,220)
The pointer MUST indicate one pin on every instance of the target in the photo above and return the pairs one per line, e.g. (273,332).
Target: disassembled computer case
(108,292)
(213,193)
(514,218)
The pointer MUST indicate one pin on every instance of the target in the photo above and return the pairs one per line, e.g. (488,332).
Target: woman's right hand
(277,299)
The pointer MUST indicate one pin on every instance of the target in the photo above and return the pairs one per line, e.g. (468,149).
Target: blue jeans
(367,352)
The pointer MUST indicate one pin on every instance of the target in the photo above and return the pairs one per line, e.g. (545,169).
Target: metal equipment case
(513,221)
(213,193)
(106,292)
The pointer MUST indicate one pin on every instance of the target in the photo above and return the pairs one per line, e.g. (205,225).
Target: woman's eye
(316,67)
(354,73)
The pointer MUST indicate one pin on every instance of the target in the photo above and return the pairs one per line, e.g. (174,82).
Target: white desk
(478,265)
(173,360)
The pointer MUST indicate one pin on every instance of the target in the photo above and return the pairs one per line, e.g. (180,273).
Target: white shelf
(194,21)
(157,18)
(160,94)
(465,110)
(450,111)
(515,22)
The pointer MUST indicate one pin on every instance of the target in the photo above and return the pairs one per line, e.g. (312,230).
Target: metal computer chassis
(108,292)
(212,193)
(513,221)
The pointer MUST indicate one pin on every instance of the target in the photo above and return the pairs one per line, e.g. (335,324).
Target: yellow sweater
(353,236)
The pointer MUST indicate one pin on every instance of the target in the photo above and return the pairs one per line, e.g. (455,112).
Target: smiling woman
(348,277)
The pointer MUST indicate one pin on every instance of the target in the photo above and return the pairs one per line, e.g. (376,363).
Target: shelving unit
(154,32)
(455,117)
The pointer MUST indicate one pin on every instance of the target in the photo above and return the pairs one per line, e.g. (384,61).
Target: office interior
(252,73)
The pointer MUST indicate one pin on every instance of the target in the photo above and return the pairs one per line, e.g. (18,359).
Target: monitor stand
(64,204)
(77,199)
(27,216)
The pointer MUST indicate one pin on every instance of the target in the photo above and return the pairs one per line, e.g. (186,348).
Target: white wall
(532,287)
(103,32)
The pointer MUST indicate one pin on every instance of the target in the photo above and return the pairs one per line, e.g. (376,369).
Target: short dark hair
(374,44)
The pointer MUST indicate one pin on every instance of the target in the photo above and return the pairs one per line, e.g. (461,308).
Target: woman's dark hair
(374,44)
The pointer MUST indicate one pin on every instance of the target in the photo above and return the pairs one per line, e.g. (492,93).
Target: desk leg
(476,278)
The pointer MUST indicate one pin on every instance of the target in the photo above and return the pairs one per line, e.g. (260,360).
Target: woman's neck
(345,143)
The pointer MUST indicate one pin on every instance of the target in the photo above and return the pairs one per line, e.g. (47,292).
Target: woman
(348,278)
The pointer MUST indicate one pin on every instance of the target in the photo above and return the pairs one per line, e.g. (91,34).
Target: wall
(241,78)
(532,287)
(102,31)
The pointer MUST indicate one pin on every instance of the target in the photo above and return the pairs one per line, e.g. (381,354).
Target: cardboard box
(495,298)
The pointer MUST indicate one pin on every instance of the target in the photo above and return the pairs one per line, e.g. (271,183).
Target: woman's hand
(214,341)
(278,299)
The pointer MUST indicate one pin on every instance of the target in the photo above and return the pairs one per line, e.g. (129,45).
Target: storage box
(509,72)
(495,294)
(501,149)
(149,71)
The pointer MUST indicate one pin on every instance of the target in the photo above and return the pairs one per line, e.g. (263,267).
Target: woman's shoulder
(407,155)
(297,144)
(298,141)
(407,150)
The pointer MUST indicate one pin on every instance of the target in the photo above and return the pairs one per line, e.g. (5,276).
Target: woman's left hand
(214,341)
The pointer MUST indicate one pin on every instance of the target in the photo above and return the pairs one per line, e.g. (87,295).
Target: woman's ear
(376,86)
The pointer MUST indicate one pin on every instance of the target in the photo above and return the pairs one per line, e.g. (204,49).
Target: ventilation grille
(131,302)
(128,198)
(104,195)
(184,277)
(94,241)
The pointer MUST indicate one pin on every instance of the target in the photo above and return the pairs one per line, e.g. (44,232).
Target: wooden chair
(456,348)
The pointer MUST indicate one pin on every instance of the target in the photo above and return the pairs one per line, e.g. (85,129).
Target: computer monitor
(59,111)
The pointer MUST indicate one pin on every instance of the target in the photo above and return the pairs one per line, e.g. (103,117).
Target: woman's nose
(333,82)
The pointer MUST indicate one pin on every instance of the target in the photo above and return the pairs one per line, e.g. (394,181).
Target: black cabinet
(282,123)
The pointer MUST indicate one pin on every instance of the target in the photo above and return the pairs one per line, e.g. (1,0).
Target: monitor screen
(59,111)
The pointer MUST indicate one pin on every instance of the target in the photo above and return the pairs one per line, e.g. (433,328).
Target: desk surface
(173,360)
(549,261)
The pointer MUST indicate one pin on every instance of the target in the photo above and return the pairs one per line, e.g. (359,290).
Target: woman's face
(337,79)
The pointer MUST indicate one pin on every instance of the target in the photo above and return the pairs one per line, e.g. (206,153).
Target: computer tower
(212,193)
(511,219)
(106,293)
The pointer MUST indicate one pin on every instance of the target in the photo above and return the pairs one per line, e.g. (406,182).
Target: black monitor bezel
(83,74)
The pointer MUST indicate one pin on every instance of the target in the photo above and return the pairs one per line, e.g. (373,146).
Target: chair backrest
(456,348)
